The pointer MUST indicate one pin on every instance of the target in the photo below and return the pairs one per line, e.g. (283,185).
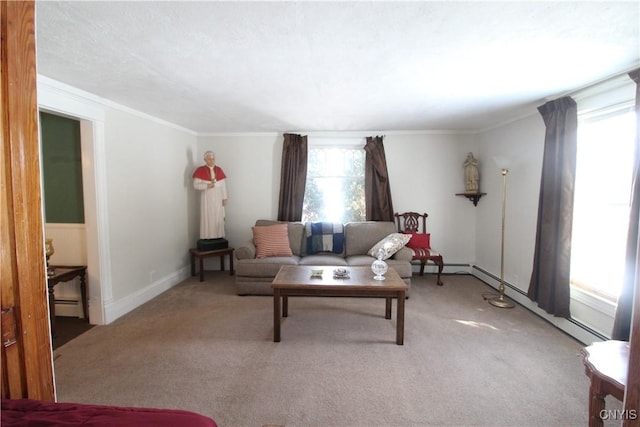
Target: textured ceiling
(334,66)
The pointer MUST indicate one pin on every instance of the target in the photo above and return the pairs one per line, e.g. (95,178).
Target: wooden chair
(409,222)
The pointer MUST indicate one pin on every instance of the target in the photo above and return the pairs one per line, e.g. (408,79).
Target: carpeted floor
(202,348)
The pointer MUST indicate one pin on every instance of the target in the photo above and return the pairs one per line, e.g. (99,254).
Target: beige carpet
(202,348)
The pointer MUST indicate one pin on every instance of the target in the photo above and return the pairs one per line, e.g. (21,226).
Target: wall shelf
(474,197)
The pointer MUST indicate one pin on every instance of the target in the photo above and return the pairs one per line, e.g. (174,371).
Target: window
(602,200)
(335,184)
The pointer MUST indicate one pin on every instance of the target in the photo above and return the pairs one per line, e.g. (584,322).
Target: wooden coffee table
(297,281)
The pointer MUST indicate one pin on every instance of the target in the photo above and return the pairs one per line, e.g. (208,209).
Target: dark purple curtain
(549,285)
(377,191)
(293,177)
(622,324)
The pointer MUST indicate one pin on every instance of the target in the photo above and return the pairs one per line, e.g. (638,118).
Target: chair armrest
(246,251)
(404,254)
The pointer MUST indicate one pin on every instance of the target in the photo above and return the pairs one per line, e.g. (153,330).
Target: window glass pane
(335,185)
(601,202)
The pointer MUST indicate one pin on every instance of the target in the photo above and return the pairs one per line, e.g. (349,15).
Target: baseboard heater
(523,293)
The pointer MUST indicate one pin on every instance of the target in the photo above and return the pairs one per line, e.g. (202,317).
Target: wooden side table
(201,255)
(64,274)
(606,364)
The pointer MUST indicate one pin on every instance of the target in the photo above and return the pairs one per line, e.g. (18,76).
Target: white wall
(251,163)
(152,221)
(518,146)
(426,171)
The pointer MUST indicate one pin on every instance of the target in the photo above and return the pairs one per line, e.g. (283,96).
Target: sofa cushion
(323,259)
(388,246)
(264,267)
(271,240)
(360,260)
(361,236)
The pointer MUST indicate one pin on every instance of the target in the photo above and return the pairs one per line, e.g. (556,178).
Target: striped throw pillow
(271,240)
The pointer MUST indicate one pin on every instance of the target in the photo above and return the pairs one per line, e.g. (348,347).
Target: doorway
(62,100)
(64,224)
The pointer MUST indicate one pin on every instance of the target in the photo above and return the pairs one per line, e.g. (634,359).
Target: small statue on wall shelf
(471,175)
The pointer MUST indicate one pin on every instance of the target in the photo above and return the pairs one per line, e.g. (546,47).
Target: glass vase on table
(379,267)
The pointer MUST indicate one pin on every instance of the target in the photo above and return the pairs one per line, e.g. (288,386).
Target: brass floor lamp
(499,300)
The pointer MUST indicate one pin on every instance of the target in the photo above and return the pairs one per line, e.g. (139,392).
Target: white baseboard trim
(115,309)
(577,330)
(431,268)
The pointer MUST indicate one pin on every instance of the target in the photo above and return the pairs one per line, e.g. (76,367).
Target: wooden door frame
(27,363)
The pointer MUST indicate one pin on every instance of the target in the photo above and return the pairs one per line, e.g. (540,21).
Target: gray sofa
(253,275)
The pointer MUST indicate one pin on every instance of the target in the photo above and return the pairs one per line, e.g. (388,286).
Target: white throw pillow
(389,245)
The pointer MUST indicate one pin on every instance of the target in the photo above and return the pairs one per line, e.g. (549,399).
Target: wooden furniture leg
(285,306)
(201,255)
(437,259)
(52,311)
(276,315)
(83,292)
(422,263)
(596,403)
(400,318)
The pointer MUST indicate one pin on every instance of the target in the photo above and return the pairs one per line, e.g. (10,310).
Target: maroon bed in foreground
(21,412)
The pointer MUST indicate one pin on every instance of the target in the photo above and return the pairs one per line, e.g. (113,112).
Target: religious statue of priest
(211,181)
